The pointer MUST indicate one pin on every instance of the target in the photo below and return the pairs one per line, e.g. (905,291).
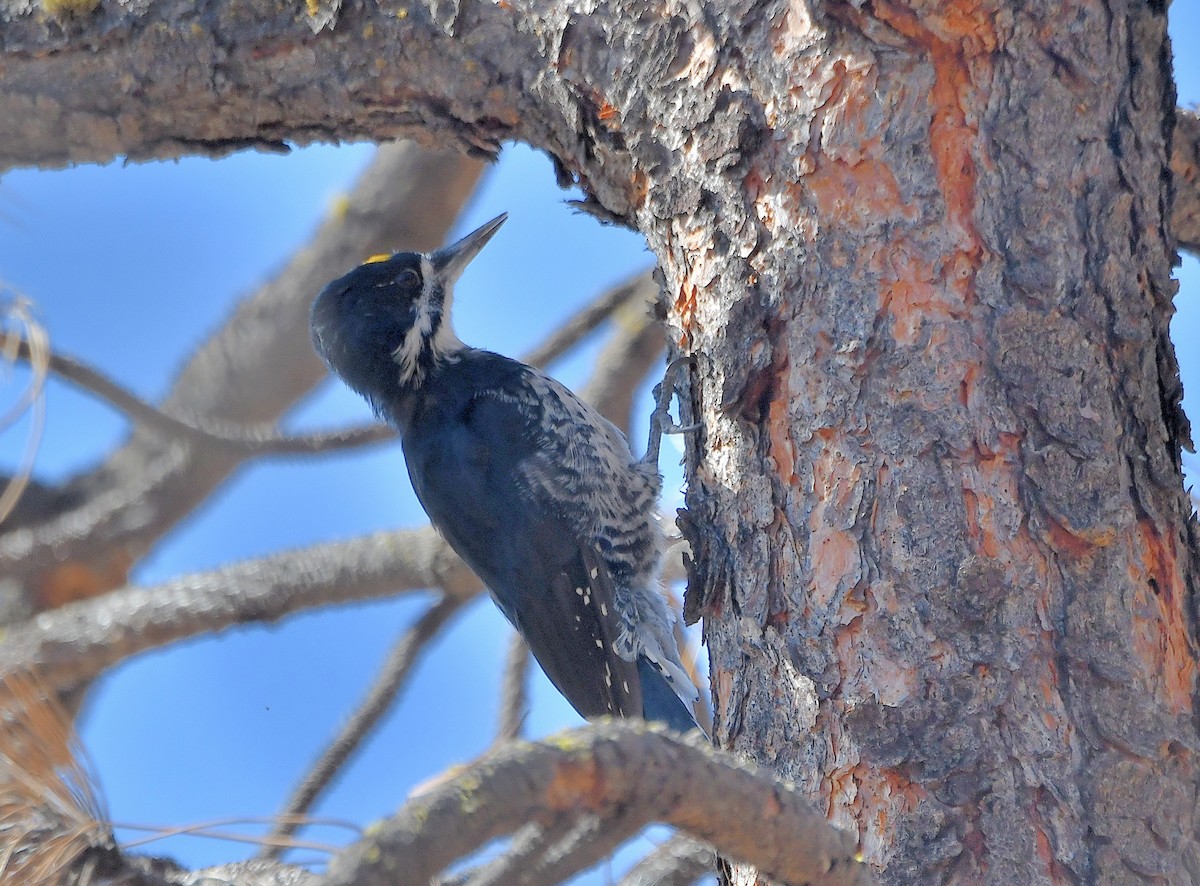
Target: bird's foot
(660,419)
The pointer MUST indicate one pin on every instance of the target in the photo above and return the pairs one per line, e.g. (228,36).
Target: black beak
(450,261)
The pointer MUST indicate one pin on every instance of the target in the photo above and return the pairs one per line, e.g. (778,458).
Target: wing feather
(549,582)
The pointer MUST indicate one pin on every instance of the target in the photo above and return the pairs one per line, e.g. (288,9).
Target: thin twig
(528,844)
(266,440)
(589,318)
(378,701)
(679,861)
(75,643)
(514,696)
(243,439)
(545,856)
(19,326)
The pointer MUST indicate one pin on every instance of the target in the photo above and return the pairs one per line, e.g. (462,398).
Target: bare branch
(551,854)
(266,439)
(598,770)
(244,440)
(514,699)
(1185,167)
(218,83)
(249,373)
(627,359)
(75,643)
(636,293)
(680,861)
(380,699)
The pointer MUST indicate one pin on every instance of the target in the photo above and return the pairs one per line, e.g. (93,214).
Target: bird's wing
(549,583)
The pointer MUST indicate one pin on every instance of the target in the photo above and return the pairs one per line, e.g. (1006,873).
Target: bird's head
(388,320)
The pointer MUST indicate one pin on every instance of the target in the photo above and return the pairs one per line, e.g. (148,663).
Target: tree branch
(266,440)
(1185,167)
(249,373)
(74,644)
(209,78)
(244,440)
(598,770)
(680,861)
(635,348)
(549,855)
(380,699)
(514,697)
(631,297)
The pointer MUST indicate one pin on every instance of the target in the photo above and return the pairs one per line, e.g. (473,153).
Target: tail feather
(660,703)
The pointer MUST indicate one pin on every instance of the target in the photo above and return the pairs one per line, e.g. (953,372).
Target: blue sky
(155,256)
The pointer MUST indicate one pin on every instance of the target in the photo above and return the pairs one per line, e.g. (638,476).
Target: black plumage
(537,492)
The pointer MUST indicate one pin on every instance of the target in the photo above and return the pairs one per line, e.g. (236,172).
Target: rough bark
(920,253)
(626,774)
(939,519)
(1185,168)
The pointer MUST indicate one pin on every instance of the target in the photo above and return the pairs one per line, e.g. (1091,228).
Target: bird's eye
(408,277)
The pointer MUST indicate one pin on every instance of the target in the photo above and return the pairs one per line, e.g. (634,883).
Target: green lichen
(65,9)
(468,798)
(566,741)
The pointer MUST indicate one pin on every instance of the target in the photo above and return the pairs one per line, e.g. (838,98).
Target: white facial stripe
(442,341)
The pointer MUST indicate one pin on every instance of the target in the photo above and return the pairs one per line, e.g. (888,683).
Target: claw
(660,419)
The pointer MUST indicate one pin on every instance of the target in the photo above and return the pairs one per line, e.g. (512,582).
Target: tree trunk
(941,532)
(918,252)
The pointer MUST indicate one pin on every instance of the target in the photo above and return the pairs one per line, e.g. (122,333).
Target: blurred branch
(514,696)
(635,292)
(19,325)
(625,769)
(380,699)
(632,352)
(548,855)
(680,861)
(249,372)
(1185,168)
(244,440)
(260,440)
(75,643)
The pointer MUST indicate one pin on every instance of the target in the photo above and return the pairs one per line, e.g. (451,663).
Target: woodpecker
(533,488)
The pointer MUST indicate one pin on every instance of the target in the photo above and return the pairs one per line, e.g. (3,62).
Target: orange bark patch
(912,293)
(990,481)
(73,581)
(873,797)
(958,34)
(855,195)
(1160,637)
(783,452)
(833,549)
(1077,545)
(575,783)
(835,556)
(689,261)
(685,310)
